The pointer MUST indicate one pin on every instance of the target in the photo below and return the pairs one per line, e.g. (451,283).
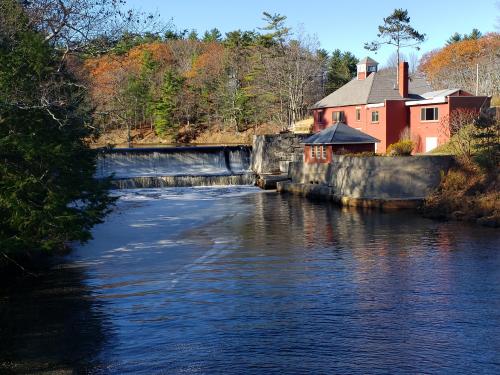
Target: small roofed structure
(320,147)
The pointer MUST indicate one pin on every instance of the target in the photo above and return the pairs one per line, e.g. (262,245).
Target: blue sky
(336,23)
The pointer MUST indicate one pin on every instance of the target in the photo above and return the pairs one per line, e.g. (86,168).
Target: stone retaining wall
(411,177)
(271,154)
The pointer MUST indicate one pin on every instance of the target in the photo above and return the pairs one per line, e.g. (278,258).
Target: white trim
(436,100)
(376,105)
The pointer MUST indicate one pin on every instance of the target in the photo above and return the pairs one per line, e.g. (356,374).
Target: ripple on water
(234,280)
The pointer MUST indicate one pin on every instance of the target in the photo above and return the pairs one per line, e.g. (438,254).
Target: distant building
(320,147)
(379,105)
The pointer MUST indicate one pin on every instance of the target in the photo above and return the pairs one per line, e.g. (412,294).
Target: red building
(320,147)
(377,103)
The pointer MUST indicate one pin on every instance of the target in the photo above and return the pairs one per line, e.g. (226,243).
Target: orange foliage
(209,63)
(459,54)
(106,72)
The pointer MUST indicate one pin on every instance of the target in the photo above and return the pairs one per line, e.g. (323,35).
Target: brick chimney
(403,79)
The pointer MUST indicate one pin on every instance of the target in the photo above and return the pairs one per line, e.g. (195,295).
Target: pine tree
(341,69)
(398,32)
(48,196)
(164,108)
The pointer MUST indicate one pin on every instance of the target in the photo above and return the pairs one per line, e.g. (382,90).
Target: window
(313,152)
(323,152)
(372,68)
(358,114)
(375,116)
(337,116)
(320,116)
(429,114)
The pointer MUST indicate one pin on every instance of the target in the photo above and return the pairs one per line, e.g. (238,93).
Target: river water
(236,280)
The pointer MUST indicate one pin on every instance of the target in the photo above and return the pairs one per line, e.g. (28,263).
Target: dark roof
(376,88)
(339,134)
(367,60)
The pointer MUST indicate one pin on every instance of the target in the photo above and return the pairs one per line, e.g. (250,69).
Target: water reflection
(239,281)
(51,323)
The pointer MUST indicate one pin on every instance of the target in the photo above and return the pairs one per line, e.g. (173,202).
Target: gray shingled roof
(376,88)
(339,134)
(367,60)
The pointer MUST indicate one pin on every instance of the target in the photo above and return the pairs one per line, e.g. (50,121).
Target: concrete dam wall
(377,182)
(273,153)
(177,166)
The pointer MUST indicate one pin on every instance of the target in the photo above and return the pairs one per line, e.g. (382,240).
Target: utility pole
(477,79)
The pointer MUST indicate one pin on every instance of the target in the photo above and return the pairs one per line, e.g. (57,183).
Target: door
(430,143)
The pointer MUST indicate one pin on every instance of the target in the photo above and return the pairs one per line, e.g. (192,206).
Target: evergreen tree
(475,34)
(213,35)
(456,37)
(48,196)
(193,35)
(277,31)
(164,108)
(341,69)
(138,91)
(398,32)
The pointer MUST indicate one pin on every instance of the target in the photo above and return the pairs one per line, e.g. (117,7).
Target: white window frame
(378,118)
(340,115)
(423,114)
(313,155)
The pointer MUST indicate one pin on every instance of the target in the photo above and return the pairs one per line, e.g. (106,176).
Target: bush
(401,148)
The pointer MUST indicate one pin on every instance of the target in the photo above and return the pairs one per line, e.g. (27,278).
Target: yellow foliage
(400,148)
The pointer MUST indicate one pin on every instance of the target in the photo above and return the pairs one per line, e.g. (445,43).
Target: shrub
(400,148)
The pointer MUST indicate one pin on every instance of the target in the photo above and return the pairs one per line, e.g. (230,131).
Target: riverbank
(466,193)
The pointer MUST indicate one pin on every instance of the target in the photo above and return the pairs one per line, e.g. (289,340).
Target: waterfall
(176,166)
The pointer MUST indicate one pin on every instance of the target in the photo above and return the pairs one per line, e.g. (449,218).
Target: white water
(174,163)
(177,167)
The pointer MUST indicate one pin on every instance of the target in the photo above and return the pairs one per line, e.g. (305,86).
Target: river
(236,280)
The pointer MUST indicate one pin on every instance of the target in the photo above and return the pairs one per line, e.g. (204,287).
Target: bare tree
(77,25)
(459,127)
(413,61)
(294,74)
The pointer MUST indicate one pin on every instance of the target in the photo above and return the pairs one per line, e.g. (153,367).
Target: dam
(176,166)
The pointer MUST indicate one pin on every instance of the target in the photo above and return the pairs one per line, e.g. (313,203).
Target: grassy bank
(213,135)
(467,193)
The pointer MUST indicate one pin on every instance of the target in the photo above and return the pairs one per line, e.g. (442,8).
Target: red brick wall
(377,130)
(395,116)
(422,129)
(474,102)
(349,117)
(396,120)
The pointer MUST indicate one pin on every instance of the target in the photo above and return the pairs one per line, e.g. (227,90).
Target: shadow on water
(209,281)
(50,323)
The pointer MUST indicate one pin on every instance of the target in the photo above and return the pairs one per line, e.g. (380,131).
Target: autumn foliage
(455,65)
